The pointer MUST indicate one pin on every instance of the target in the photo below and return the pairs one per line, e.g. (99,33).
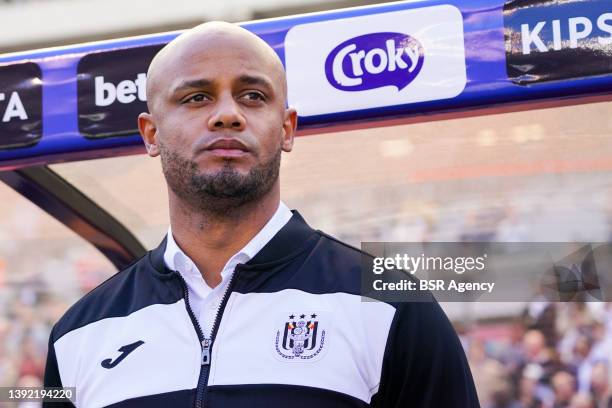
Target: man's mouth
(227,148)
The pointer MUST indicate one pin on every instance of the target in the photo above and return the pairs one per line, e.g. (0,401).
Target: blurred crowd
(556,355)
(28,310)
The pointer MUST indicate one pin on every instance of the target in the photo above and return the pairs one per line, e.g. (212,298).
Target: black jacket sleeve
(52,376)
(424,364)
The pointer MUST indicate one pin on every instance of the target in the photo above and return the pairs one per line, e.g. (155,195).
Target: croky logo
(301,338)
(375,60)
(124,350)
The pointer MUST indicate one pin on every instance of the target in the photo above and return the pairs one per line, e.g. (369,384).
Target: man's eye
(196,98)
(254,96)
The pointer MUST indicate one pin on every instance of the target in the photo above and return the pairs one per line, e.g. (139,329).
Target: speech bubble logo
(375,60)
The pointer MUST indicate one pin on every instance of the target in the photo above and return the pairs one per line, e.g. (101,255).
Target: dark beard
(223,192)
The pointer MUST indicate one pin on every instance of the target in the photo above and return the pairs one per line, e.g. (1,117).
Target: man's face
(220,121)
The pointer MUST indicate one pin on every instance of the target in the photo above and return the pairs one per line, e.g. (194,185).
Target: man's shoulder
(344,250)
(327,265)
(128,290)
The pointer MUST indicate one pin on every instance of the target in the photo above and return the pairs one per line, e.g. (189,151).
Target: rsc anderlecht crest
(301,339)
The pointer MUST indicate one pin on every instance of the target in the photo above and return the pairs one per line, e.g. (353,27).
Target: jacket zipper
(206,344)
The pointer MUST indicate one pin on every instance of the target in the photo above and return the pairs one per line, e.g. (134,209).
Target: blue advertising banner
(111,91)
(554,40)
(20,105)
(355,67)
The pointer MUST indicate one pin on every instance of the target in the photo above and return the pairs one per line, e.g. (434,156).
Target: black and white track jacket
(292,331)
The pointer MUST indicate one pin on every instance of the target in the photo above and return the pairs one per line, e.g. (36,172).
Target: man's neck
(210,240)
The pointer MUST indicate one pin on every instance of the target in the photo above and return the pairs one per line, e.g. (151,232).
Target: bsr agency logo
(375,60)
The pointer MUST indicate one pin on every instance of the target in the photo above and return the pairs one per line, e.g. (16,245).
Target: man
(243,303)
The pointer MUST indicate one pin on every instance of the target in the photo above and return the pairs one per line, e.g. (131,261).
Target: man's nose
(227,115)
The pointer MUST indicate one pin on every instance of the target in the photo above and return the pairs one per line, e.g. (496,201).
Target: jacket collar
(286,243)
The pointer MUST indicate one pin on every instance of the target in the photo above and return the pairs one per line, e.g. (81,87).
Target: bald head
(218,41)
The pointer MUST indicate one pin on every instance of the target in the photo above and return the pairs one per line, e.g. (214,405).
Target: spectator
(582,361)
(581,400)
(564,387)
(530,390)
(600,384)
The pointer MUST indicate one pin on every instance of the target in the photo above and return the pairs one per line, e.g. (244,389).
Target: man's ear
(289,128)
(148,131)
